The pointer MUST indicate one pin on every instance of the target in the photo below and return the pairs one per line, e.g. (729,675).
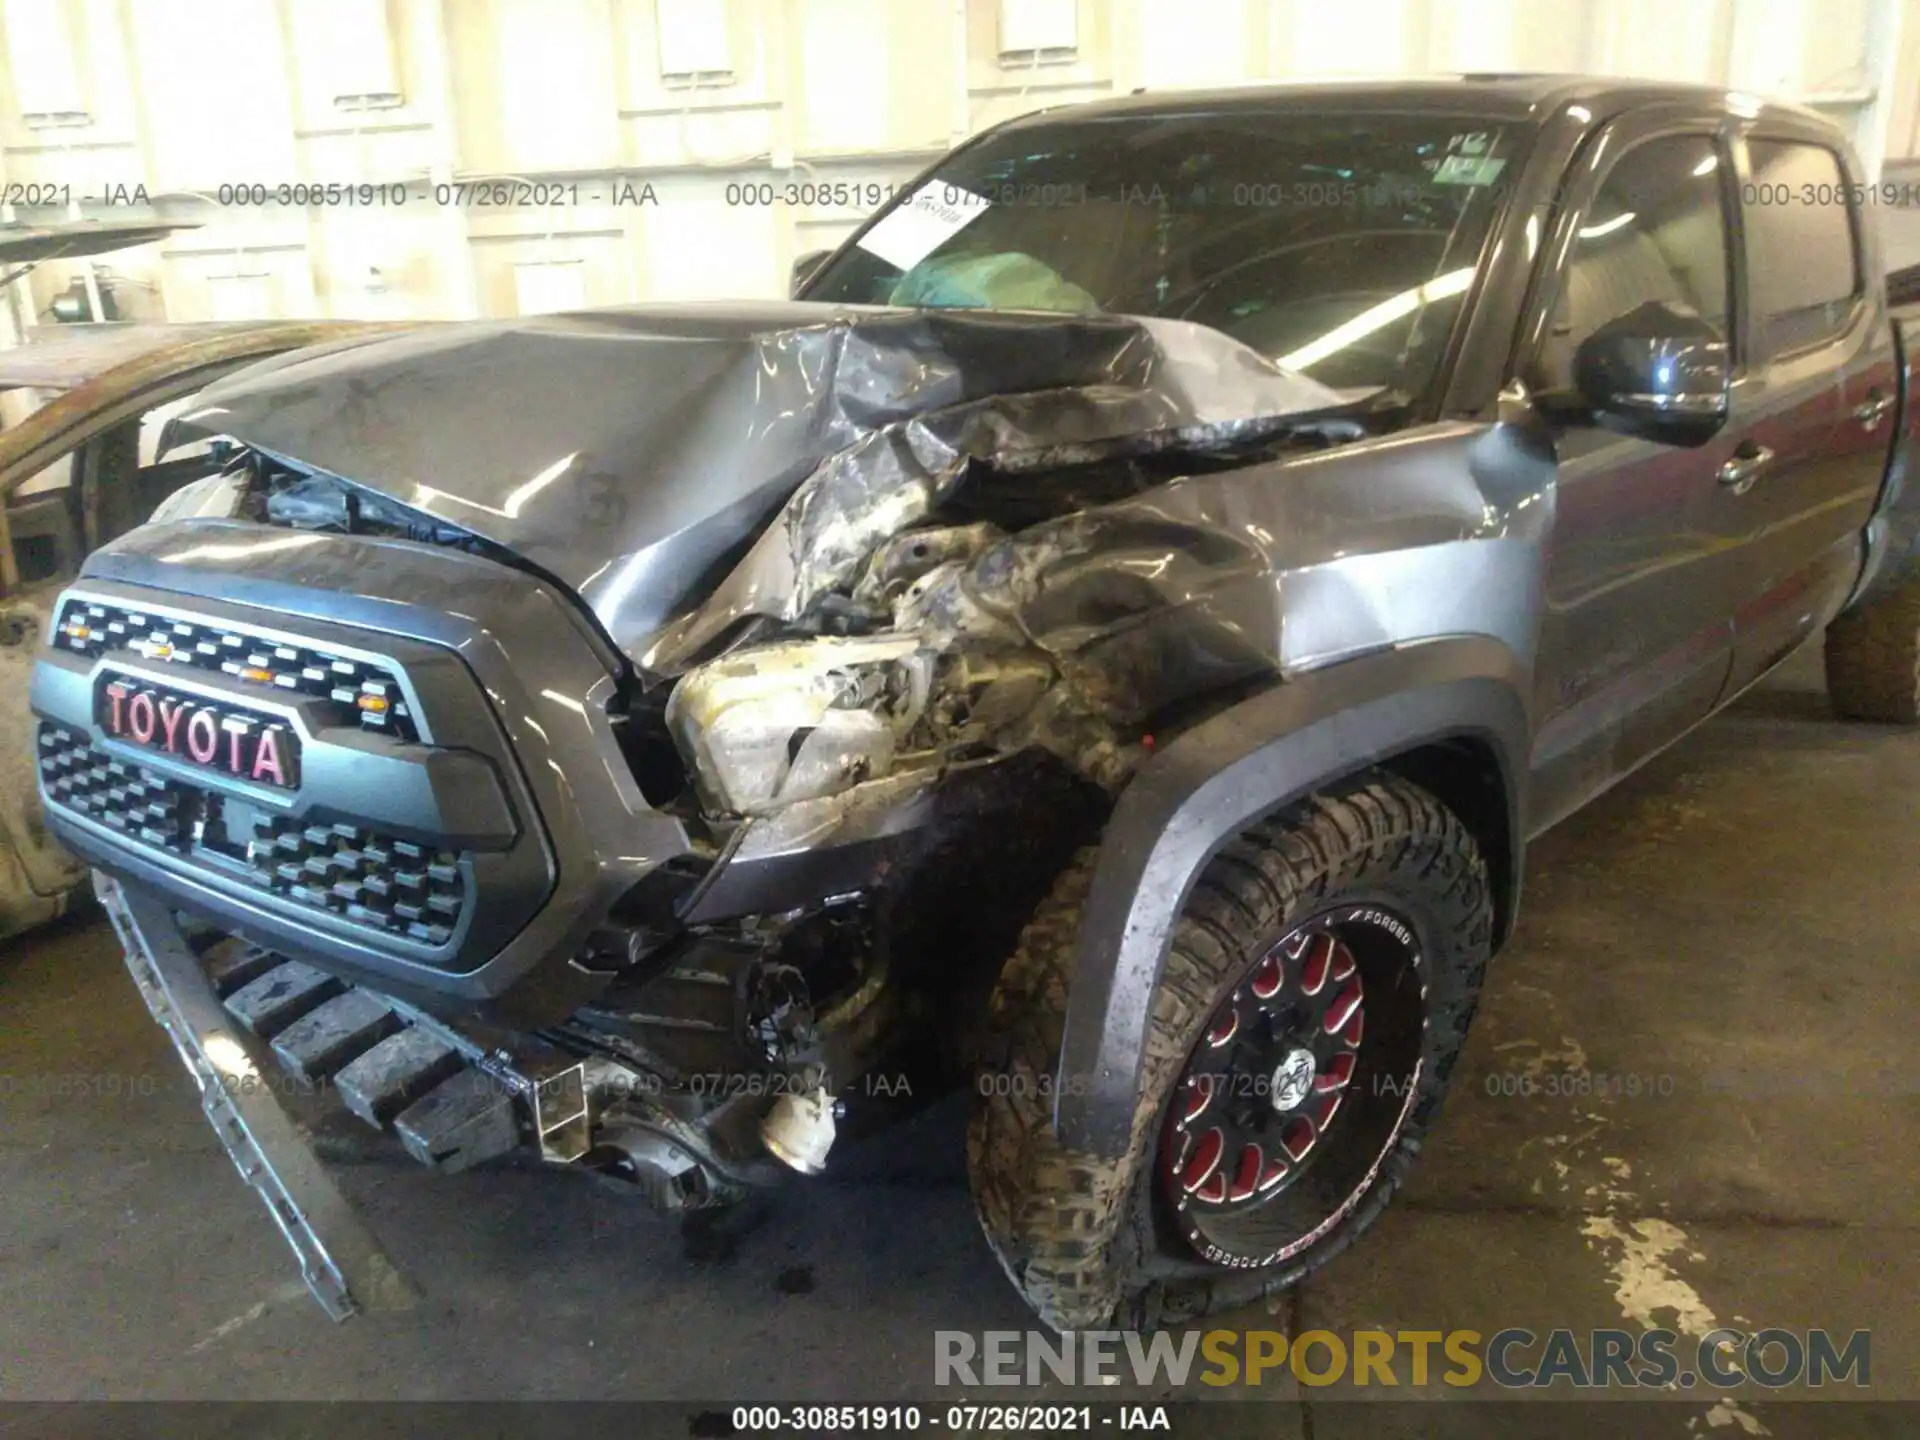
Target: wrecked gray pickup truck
(1108,642)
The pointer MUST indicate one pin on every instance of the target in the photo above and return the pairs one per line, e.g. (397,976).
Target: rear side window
(1805,273)
(1656,231)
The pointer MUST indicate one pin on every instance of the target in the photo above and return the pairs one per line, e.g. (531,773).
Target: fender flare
(1213,781)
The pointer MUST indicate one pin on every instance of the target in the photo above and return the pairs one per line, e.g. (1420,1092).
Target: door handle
(1872,410)
(1740,473)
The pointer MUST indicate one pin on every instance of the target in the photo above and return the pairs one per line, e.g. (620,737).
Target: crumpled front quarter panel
(1280,567)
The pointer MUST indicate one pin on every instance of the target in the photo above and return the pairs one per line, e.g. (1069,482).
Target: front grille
(384,884)
(365,687)
(129,798)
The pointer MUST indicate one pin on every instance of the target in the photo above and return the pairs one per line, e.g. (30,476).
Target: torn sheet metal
(1156,385)
(636,453)
(1081,633)
(1215,578)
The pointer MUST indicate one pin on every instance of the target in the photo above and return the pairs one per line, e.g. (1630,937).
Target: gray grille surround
(513,692)
(408,843)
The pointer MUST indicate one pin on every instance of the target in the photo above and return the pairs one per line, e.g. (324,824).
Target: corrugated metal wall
(663,134)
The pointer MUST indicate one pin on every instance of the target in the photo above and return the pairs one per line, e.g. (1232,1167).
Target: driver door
(1636,640)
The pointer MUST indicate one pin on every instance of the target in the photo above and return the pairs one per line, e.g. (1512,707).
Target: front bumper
(507,806)
(453,1097)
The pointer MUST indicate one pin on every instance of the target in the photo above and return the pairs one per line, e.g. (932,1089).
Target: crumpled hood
(633,452)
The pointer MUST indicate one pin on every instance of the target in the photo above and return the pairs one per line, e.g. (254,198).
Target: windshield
(1338,245)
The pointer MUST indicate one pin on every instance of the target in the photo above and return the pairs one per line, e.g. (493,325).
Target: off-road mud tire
(1084,1238)
(1873,659)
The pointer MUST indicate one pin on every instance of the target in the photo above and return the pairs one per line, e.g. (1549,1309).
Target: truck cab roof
(1520,96)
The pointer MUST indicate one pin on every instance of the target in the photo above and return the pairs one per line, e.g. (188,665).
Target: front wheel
(1315,998)
(1873,658)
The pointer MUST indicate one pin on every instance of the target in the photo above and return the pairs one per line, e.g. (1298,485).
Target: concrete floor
(1735,926)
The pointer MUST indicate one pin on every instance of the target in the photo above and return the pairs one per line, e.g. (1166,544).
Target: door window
(1656,231)
(1805,271)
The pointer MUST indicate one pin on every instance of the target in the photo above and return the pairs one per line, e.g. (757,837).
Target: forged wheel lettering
(1392,924)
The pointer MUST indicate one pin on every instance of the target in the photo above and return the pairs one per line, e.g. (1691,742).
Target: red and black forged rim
(1296,1088)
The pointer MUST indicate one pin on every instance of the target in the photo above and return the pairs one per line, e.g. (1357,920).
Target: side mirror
(803,271)
(1657,372)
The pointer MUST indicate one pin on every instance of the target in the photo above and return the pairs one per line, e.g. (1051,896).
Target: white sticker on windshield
(1469,170)
(935,212)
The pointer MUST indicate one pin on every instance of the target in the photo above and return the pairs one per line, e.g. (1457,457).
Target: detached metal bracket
(343,1265)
